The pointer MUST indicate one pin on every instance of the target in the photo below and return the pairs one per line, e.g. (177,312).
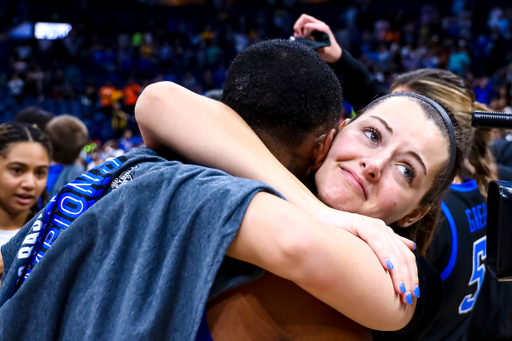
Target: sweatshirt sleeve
(360,87)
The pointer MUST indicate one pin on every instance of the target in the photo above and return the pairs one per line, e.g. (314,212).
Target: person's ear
(323,145)
(413,217)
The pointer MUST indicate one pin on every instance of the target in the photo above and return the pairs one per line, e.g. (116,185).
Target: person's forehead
(412,130)
(28,151)
(398,108)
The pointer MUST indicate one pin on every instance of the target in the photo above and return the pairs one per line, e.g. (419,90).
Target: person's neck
(297,163)
(12,221)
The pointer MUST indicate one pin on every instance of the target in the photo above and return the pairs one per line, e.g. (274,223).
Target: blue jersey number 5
(479,255)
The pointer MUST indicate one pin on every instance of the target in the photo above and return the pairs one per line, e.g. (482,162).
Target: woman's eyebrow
(413,154)
(417,157)
(381,120)
(16,163)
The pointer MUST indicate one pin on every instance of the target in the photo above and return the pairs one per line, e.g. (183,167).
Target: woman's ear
(413,217)
(323,145)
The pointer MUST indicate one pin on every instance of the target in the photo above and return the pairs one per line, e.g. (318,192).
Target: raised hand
(303,28)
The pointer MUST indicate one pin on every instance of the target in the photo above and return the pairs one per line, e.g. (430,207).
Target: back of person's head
(68,135)
(33,115)
(284,91)
(457,95)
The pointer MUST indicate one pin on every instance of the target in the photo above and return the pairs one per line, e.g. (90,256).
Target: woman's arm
(330,263)
(208,132)
(362,87)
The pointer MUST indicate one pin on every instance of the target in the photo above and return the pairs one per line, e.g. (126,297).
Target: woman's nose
(372,169)
(29,181)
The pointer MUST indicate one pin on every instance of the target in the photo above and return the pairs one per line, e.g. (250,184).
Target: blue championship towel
(127,251)
(62,210)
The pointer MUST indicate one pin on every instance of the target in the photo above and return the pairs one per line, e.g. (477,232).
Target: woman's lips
(355,181)
(24,200)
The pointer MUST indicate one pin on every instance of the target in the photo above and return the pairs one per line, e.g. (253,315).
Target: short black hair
(283,90)
(33,115)
(68,135)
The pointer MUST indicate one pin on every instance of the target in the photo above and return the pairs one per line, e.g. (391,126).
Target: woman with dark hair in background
(25,154)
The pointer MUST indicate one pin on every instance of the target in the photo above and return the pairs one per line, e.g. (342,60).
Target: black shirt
(458,251)
(427,307)
(360,87)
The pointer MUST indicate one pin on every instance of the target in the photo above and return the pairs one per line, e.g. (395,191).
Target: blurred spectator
(16,88)
(68,136)
(483,90)
(502,101)
(208,81)
(24,52)
(35,80)
(34,115)
(96,159)
(89,98)
(189,81)
(119,120)
(126,142)
(111,149)
(20,66)
(459,59)
(131,94)
(107,100)
(213,54)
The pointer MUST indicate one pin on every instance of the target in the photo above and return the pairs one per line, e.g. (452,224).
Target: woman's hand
(393,251)
(303,28)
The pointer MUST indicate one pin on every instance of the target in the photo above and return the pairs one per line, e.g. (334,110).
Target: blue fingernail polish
(389,264)
(414,246)
(417,291)
(402,287)
(408,298)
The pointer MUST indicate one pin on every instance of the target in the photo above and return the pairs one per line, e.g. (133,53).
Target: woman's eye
(407,171)
(16,171)
(372,136)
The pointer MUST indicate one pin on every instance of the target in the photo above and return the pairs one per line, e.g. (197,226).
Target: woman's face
(383,163)
(23,174)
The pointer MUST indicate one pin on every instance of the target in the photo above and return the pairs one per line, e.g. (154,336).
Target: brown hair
(68,135)
(18,132)
(421,231)
(457,95)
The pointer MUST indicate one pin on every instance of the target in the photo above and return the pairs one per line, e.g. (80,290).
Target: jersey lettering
(477,217)
(477,276)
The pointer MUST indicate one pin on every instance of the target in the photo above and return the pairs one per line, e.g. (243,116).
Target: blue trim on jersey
(453,255)
(465,186)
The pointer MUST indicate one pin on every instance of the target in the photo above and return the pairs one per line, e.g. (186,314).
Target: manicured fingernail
(417,291)
(414,246)
(402,287)
(389,264)
(408,298)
